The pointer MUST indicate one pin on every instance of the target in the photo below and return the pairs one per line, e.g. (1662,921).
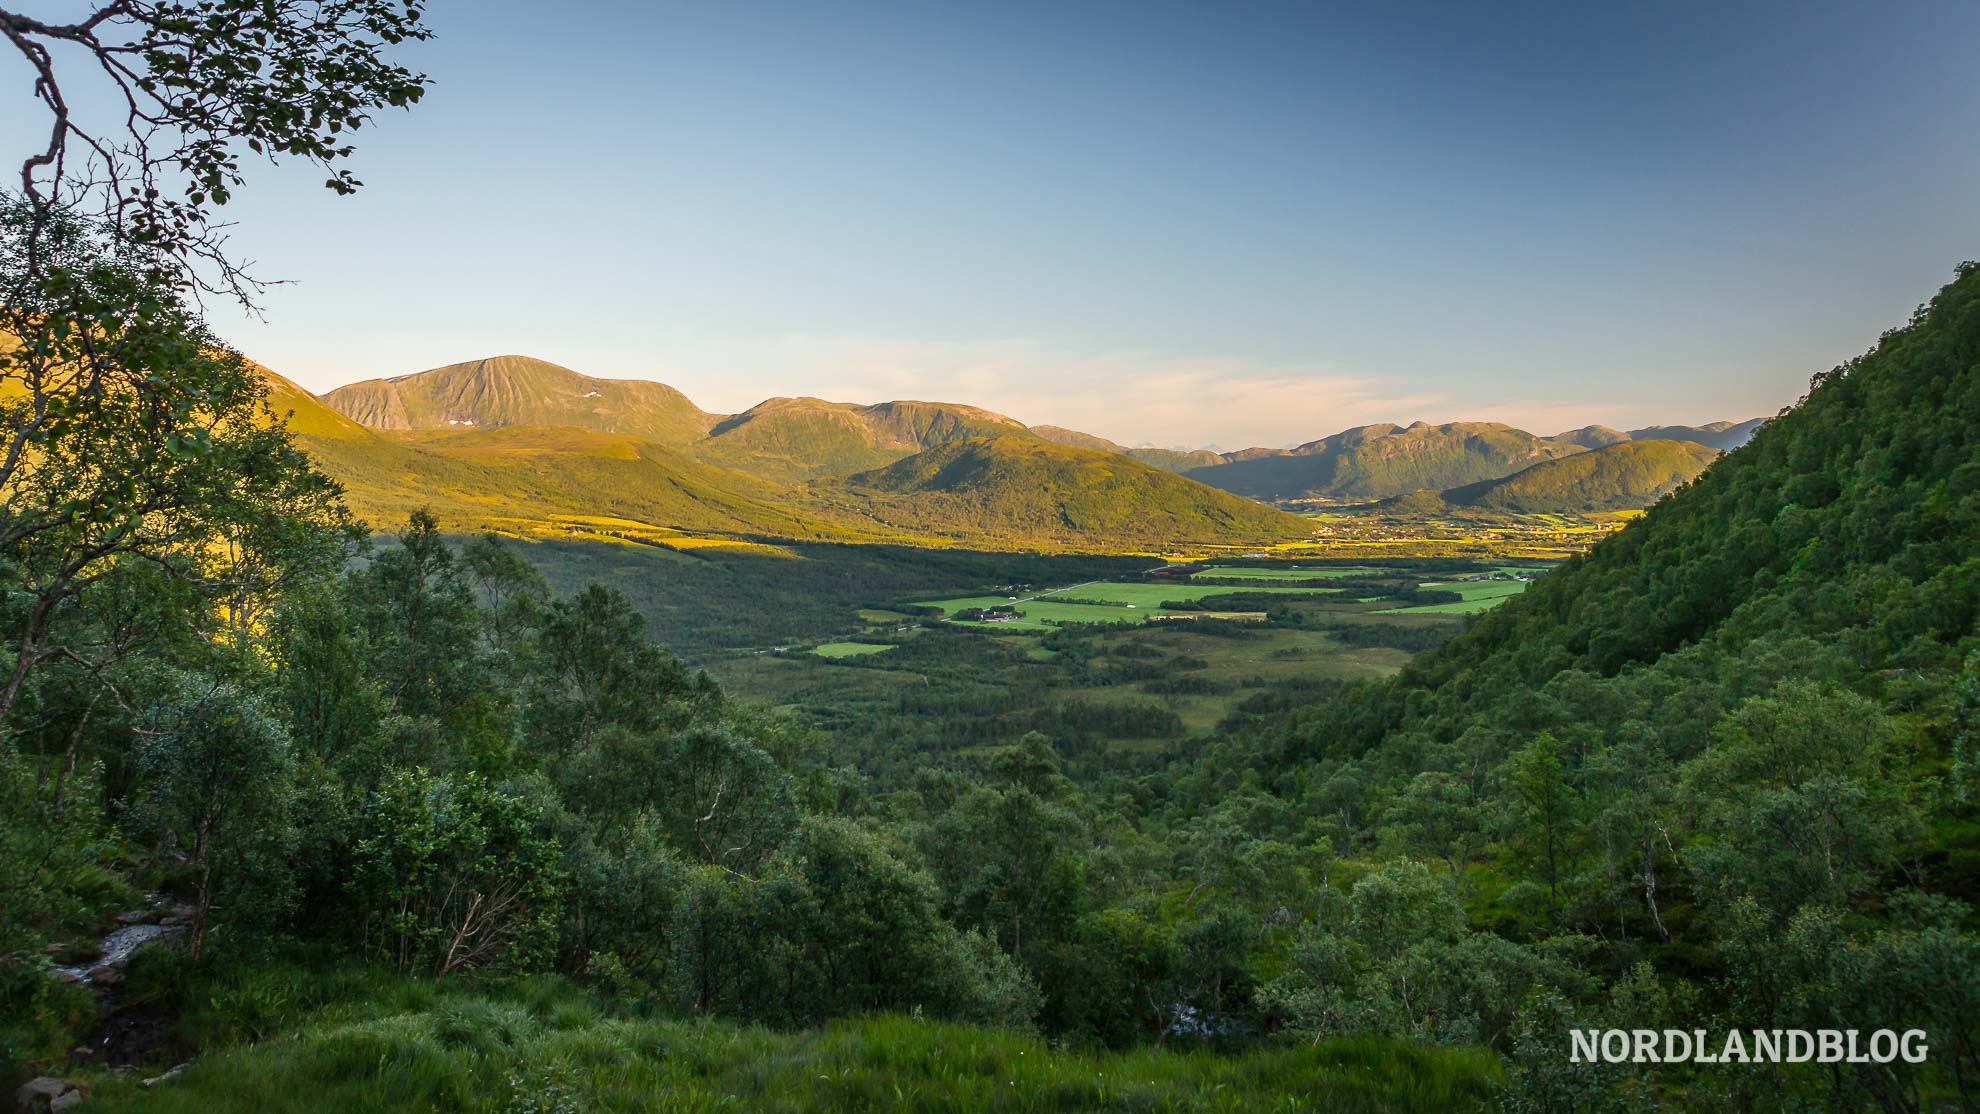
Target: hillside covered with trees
(299,815)
(1622,476)
(1723,766)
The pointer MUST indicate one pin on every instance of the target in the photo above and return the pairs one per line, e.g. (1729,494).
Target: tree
(421,621)
(598,669)
(728,803)
(510,590)
(454,874)
(133,435)
(1543,805)
(193,84)
(217,775)
(1438,814)
(1002,851)
(1794,801)
(1395,958)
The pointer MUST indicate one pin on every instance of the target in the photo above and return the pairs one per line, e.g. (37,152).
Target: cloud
(1128,396)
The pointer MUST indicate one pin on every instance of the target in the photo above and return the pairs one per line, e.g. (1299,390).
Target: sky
(1178,224)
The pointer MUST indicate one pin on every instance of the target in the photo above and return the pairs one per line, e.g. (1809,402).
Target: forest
(1717,773)
(422,819)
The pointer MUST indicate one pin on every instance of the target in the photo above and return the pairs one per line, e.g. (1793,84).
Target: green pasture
(1289,572)
(1479,595)
(1100,602)
(849,649)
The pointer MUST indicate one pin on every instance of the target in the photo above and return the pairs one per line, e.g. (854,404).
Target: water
(116,949)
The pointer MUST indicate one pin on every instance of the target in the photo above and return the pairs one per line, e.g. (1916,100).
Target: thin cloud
(1127,396)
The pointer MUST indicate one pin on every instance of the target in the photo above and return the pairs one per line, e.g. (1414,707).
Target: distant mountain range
(518,444)
(1621,475)
(1383,461)
(795,439)
(1171,460)
(516,439)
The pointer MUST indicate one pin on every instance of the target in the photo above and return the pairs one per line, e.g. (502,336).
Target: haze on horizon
(1182,225)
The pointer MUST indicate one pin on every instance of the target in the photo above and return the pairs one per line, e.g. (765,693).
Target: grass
(1462,607)
(849,649)
(1100,602)
(1311,572)
(542,1045)
(1479,595)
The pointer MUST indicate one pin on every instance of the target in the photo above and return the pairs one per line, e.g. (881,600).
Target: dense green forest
(1715,774)
(430,821)
(1718,773)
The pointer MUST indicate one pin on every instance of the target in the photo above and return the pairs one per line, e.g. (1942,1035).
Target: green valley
(505,737)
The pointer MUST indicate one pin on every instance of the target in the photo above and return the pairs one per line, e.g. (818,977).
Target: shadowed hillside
(1725,436)
(1623,476)
(1021,486)
(1169,460)
(794,439)
(1378,461)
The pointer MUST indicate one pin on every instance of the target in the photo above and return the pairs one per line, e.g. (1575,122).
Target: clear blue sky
(1228,223)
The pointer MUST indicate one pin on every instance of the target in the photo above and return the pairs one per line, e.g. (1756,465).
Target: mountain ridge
(1383,460)
(796,439)
(521,390)
(1625,475)
(571,479)
(1036,487)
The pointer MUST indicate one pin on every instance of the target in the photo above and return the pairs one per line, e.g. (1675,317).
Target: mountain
(1273,481)
(1624,476)
(516,476)
(1060,435)
(1020,486)
(1591,436)
(1169,460)
(519,390)
(796,439)
(307,415)
(1010,489)
(1379,461)
(1725,436)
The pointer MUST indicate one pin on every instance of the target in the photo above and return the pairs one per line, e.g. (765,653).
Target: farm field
(1369,533)
(1293,572)
(1479,595)
(1083,665)
(1099,602)
(850,649)
(1124,601)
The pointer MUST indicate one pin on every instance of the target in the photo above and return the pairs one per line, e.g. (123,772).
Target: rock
(68,974)
(106,975)
(157,1079)
(137,916)
(48,1095)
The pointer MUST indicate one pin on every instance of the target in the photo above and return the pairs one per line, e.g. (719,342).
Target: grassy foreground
(542,1045)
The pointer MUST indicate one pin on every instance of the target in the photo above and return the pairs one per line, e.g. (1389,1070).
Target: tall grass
(541,1045)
